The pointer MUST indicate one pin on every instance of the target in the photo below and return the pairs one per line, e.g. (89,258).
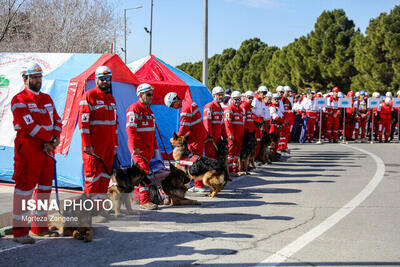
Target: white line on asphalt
(22,246)
(286,252)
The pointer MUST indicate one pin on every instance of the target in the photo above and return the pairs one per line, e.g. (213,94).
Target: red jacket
(213,119)
(249,122)
(192,124)
(234,121)
(386,111)
(35,118)
(332,106)
(140,128)
(98,121)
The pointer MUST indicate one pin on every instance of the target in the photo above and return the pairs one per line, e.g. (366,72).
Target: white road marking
(286,252)
(22,246)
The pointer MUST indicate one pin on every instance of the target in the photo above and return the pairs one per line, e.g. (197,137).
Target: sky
(178,24)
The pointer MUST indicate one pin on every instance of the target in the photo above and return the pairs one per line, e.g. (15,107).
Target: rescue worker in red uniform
(234,118)
(191,123)
(375,117)
(309,109)
(261,114)
(333,112)
(350,118)
(277,119)
(248,111)
(213,119)
(289,117)
(38,129)
(361,109)
(142,142)
(98,126)
(385,117)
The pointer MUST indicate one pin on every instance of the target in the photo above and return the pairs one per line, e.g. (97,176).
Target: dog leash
(55,181)
(162,142)
(101,161)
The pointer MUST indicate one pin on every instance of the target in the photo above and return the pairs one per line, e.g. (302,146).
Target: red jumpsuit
(277,119)
(361,106)
(140,128)
(36,122)
(332,124)
(213,119)
(289,120)
(98,126)
(192,124)
(234,123)
(349,122)
(249,122)
(310,111)
(385,120)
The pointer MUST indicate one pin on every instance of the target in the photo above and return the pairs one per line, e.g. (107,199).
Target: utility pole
(205,54)
(125,27)
(151,24)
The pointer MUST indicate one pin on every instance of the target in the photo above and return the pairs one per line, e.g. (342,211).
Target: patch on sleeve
(28,119)
(227,115)
(85,117)
(208,113)
(132,118)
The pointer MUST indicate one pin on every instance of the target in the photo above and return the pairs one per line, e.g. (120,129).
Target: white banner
(320,102)
(373,102)
(11,83)
(345,103)
(396,102)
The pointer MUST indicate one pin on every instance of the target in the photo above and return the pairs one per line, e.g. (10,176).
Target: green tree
(257,66)
(377,55)
(232,75)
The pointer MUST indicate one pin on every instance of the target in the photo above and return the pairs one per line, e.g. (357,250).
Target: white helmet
(249,93)
(236,94)
(376,94)
(30,69)
(357,94)
(269,94)
(217,90)
(389,94)
(262,88)
(144,87)
(275,95)
(103,71)
(388,99)
(170,98)
(398,93)
(287,88)
(279,88)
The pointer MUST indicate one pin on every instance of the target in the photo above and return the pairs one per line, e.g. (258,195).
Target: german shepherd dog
(172,189)
(124,181)
(267,154)
(249,146)
(211,172)
(78,225)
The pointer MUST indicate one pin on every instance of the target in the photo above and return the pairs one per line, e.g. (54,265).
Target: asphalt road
(324,205)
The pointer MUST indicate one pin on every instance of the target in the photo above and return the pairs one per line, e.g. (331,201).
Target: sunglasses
(149,94)
(237,99)
(104,78)
(250,97)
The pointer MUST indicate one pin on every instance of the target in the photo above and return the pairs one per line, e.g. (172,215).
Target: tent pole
(205,56)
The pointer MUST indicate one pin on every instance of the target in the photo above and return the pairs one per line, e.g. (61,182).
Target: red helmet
(335,89)
(318,95)
(350,94)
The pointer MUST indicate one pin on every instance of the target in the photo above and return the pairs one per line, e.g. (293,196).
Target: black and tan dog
(249,147)
(266,153)
(172,189)
(74,222)
(124,181)
(211,172)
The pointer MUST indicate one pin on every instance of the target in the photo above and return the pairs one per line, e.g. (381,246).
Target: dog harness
(188,161)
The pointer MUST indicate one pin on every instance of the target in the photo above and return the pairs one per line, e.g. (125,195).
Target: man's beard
(35,87)
(106,87)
